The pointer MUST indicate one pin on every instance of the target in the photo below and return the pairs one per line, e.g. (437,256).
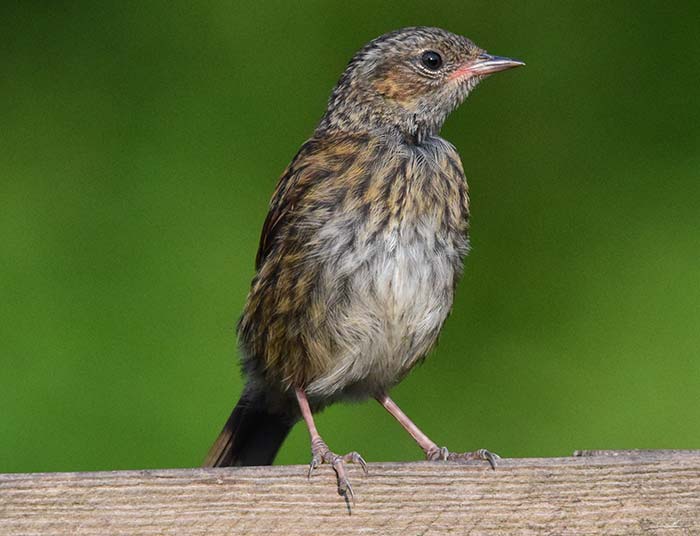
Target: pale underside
(401,293)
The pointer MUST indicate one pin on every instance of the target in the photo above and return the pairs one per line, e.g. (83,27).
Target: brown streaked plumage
(361,249)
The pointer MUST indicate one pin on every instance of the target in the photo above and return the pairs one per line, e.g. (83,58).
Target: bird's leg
(320,453)
(432,451)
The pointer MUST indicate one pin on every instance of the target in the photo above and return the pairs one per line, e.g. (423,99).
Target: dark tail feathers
(251,436)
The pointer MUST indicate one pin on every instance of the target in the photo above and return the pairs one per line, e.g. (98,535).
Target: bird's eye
(431,60)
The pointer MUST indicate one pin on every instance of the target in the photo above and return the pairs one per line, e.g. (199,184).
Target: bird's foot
(442,454)
(320,454)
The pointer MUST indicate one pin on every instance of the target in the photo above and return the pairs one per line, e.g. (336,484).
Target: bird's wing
(313,185)
(314,194)
(283,201)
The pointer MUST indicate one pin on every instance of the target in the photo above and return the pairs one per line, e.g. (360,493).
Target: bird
(361,251)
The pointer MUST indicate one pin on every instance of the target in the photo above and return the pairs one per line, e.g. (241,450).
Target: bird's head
(408,81)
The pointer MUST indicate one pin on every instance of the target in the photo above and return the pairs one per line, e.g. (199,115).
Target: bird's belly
(395,299)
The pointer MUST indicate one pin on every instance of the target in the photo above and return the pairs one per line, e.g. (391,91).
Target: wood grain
(639,492)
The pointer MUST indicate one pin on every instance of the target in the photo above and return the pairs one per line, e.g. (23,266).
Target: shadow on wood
(608,492)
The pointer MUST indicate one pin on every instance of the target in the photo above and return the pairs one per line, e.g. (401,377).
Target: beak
(488,64)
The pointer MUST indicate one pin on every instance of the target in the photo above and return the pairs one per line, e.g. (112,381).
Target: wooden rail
(594,492)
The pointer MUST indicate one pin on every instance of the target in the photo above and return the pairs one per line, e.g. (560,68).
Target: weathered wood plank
(627,493)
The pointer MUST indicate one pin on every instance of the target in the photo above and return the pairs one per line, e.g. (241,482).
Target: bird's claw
(356,457)
(321,454)
(442,454)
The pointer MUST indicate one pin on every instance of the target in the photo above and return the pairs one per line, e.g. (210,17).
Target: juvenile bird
(361,250)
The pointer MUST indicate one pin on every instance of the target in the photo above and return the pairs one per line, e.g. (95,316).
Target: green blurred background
(139,146)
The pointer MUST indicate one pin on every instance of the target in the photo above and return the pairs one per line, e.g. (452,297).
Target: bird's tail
(251,436)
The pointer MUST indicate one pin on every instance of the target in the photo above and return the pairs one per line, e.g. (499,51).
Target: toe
(355,457)
(315,462)
(438,454)
(345,489)
(490,457)
(481,454)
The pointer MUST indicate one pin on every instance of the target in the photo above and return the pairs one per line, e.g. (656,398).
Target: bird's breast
(388,299)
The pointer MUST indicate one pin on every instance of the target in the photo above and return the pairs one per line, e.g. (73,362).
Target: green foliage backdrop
(139,145)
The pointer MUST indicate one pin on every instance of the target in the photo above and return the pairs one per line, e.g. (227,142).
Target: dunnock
(361,249)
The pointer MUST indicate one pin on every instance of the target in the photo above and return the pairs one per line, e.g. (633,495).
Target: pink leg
(320,453)
(432,451)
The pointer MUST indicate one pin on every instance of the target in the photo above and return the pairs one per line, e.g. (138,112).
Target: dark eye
(432,60)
